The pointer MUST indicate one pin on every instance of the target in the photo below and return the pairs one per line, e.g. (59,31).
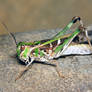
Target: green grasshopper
(57,46)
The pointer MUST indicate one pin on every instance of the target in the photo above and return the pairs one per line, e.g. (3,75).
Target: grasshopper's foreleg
(25,69)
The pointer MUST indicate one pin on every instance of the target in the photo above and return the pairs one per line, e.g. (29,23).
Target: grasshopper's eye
(22,47)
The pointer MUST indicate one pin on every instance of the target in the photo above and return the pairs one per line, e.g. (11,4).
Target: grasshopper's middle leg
(58,69)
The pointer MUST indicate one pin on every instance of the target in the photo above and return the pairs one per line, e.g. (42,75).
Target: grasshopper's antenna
(12,36)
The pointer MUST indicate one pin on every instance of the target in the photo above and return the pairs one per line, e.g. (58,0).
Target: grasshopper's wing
(80,49)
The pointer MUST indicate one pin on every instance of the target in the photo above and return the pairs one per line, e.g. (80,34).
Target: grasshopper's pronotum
(57,46)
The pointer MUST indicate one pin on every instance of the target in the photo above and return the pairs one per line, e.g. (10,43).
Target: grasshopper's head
(20,48)
(23,52)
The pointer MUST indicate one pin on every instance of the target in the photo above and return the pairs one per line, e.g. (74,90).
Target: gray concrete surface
(43,78)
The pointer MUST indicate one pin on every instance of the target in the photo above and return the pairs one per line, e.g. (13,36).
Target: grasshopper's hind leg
(25,69)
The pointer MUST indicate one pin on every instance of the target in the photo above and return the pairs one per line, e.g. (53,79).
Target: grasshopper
(59,45)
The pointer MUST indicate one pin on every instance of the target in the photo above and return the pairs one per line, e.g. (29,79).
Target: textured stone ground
(43,78)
